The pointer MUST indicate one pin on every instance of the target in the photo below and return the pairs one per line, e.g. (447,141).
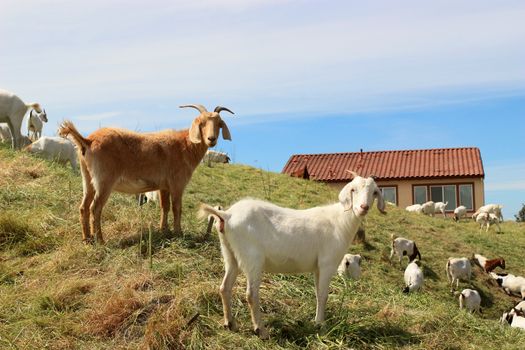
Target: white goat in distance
(258,236)
(35,123)
(12,111)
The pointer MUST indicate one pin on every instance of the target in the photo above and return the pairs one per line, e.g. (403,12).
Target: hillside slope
(57,293)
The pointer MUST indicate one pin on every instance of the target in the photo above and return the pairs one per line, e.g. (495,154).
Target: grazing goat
(460,212)
(5,133)
(401,247)
(12,111)
(258,236)
(215,157)
(415,208)
(470,299)
(511,284)
(35,123)
(350,266)
(151,196)
(515,317)
(5,136)
(413,277)
(114,159)
(490,208)
(428,208)
(55,148)
(440,207)
(487,219)
(458,268)
(489,265)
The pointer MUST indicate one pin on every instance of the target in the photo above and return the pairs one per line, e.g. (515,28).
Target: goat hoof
(232,326)
(262,333)
(88,241)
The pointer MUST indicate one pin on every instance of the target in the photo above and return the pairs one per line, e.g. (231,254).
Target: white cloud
(251,55)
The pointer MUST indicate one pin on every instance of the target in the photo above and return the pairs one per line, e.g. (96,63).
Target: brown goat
(120,160)
(490,265)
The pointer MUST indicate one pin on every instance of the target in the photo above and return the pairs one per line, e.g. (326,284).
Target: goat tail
(447,267)
(416,251)
(67,128)
(35,106)
(206,210)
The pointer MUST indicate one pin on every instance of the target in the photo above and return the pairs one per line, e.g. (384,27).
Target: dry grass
(56,293)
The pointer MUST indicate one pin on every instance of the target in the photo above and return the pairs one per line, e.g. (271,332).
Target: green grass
(56,293)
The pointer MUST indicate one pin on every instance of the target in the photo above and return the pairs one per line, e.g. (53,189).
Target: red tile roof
(386,165)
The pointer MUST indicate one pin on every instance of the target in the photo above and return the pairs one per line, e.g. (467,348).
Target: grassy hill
(57,293)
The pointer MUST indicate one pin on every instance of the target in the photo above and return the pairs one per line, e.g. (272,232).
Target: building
(453,175)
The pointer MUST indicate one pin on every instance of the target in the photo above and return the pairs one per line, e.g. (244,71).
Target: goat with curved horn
(219,109)
(200,108)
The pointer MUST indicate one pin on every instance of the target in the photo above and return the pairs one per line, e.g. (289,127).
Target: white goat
(470,299)
(440,207)
(35,123)
(215,157)
(12,111)
(147,197)
(258,236)
(350,266)
(415,208)
(460,212)
(402,246)
(5,136)
(55,148)
(428,208)
(413,277)
(490,208)
(515,317)
(511,284)
(487,219)
(458,268)
(5,133)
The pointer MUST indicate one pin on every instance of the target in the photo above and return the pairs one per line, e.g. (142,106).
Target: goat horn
(353,173)
(200,108)
(219,109)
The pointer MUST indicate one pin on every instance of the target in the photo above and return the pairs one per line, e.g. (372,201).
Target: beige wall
(404,188)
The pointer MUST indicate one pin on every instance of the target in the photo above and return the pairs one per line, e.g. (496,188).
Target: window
(445,194)
(420,194)
(436,193)
(389,194)
(449,192)
(454,194)
(465,196)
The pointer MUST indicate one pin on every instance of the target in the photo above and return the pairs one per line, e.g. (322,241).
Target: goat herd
(255,236)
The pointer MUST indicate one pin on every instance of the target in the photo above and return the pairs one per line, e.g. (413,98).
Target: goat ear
(225,131)
(346,197)
(380,202)
(195,131)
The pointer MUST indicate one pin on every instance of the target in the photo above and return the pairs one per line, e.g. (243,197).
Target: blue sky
(302,76)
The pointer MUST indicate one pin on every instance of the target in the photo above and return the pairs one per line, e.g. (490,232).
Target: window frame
(414,193)
(456,184)
(395,192)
